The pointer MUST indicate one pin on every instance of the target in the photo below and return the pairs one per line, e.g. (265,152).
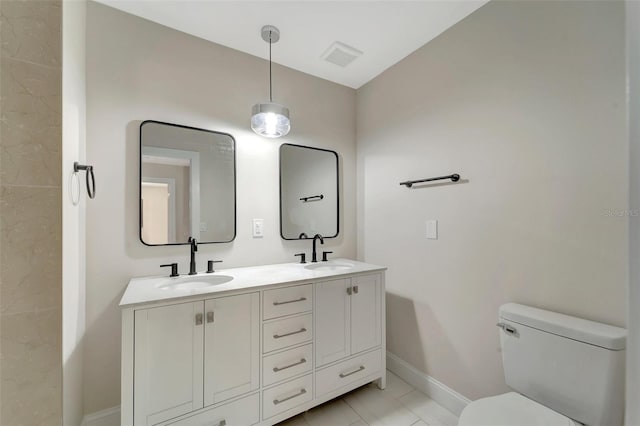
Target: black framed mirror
(309,192)
(187,185)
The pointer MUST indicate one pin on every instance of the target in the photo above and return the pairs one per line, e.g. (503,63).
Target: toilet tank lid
(594,333)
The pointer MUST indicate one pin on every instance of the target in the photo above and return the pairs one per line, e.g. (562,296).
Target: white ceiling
(385,31)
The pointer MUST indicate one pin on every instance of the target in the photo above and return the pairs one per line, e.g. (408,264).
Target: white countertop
(149,289)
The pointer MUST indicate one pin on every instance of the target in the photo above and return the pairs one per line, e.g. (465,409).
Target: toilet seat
(511,409)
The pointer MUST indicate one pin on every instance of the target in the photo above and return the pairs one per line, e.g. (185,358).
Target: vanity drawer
(287,395)
(287,332)
(245,411)
(284,365)
(287,301)
(339,375)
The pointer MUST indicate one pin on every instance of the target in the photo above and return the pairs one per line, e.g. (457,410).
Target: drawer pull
(278,336)
(342,375)
(210,317)
(302,299)
(280,401)
(276,369)
(198,319)
(349,290)
(355,289)
(222,422)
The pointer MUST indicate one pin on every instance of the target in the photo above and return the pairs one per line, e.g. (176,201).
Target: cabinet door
(332,320)
(231,346)
(365,313)
(168,362)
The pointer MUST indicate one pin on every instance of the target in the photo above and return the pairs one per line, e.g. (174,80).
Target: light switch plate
(432,229)
(258,225)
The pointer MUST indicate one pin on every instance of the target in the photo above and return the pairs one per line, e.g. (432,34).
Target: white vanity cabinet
(231,347)
(254,354)
(348,317)
(191,355)
(168,362)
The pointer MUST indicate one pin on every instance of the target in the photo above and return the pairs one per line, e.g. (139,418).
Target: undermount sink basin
(195,282)
(330,266)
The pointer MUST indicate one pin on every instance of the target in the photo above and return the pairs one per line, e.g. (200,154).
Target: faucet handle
(210,265)
(324,255)
(302,257)
(174,269)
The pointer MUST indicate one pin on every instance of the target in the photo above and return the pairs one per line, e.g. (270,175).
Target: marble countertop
(144,290)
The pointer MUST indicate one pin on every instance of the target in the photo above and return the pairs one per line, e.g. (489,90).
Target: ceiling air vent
(340,54)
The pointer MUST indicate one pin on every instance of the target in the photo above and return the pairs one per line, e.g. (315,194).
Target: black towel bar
(454,178)
(312,198)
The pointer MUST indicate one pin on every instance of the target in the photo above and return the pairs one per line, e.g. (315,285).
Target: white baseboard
(440,393)
(107,417)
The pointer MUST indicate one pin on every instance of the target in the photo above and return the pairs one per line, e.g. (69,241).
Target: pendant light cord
(270,80)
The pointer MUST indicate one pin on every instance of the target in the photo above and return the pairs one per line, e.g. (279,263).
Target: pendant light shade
(270,119)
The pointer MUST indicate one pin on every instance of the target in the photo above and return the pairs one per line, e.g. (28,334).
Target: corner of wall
(73,213)
(633,93)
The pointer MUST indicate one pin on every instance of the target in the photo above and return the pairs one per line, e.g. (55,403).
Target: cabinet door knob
(355,289)
(210,317)
(198,319)
(349,291)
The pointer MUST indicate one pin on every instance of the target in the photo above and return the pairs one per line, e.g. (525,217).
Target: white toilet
(565,370)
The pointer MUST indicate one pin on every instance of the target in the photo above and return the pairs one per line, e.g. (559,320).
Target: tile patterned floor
(398,405)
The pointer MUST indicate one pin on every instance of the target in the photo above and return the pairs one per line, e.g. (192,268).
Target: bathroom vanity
(250,346)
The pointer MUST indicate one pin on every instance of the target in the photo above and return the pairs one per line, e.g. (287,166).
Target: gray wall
(30,211)
(633,73)
(526,100)
(139,70)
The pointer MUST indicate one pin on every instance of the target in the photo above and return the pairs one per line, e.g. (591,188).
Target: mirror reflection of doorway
(183,168)
(158,210)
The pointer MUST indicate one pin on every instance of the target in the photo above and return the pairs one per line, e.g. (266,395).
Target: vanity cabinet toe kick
(253,357)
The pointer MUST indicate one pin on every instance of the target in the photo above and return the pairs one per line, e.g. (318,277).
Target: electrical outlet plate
(432,230)
(258,228)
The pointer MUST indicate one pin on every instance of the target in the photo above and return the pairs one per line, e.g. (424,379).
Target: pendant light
(270,119)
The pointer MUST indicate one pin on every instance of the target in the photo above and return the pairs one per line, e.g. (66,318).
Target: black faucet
(174,269)
(315,238)
(210,266)
(194,249)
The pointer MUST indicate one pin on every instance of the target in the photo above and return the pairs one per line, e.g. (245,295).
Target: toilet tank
(571,365)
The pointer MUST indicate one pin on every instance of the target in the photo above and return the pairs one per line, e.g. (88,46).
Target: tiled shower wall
(30,213)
